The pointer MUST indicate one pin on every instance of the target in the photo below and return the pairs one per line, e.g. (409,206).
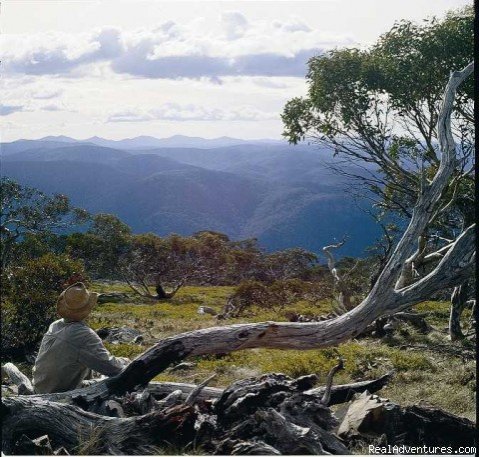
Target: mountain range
(284,195)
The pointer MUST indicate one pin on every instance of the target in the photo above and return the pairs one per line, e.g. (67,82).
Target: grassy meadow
(430,371)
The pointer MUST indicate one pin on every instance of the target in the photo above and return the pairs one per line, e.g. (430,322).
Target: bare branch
(383,300)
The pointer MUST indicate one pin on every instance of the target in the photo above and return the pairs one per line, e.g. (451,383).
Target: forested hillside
(285,196)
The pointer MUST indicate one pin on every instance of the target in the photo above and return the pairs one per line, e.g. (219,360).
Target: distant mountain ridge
(175,141)
(284,195)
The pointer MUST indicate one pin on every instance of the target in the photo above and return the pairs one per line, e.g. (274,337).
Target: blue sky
(122,68)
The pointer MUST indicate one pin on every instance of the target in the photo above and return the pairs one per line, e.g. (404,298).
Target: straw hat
(76,302)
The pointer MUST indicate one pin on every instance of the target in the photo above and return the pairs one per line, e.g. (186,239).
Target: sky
(124,68)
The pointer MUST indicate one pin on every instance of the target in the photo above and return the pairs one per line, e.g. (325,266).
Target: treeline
(47,243)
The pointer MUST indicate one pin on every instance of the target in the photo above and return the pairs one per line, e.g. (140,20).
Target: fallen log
(272,414)
(343,393)
(239,447)
(273,417)
(275,410)
(340,393)
(75,429)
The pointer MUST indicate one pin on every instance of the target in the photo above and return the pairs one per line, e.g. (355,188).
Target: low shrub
(30,291)
(274,296)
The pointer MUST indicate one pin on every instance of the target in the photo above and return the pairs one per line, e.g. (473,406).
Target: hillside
(283,195)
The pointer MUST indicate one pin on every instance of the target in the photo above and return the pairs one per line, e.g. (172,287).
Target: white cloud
(46,93)
(58,53)
(234,24)
(171,50)
(295,25)
(52,107)
(191,112)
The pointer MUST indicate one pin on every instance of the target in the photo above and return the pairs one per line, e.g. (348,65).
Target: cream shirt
(69,352)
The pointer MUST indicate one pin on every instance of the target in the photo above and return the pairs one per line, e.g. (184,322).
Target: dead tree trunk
(384,299)
(271,414)
(458,303)
(159,390)
(81,431)
(344,292)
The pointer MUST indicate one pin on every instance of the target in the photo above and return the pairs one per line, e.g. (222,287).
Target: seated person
(71,350)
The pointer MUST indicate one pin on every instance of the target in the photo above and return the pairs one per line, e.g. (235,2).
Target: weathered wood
(272,414)
(111,408)
(344,292)
(160,390)
(274,409)
(326,398)
(435,427)
(342,393)
(195,393)
(238,447)
(18,378)
(370,417)
(74,428)
(383,300)
(458,304)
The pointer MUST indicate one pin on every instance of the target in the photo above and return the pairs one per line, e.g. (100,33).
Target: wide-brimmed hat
(76,302)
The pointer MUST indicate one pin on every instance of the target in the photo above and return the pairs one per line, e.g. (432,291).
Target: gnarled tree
(454,265)
(301,423)
(378,110)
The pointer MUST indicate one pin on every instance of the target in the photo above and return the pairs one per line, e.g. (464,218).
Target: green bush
(275,295)
(30,291)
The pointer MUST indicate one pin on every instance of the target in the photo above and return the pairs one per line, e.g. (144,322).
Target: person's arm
(94,355)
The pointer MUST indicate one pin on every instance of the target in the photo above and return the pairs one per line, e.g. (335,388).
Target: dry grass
(421,375)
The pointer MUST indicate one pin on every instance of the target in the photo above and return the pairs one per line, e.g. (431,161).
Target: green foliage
(29,296)
(207,257)
(27,211)
(251,296)
(380,106)
(101,246)
(35,245)
(288,264)
(423,55)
